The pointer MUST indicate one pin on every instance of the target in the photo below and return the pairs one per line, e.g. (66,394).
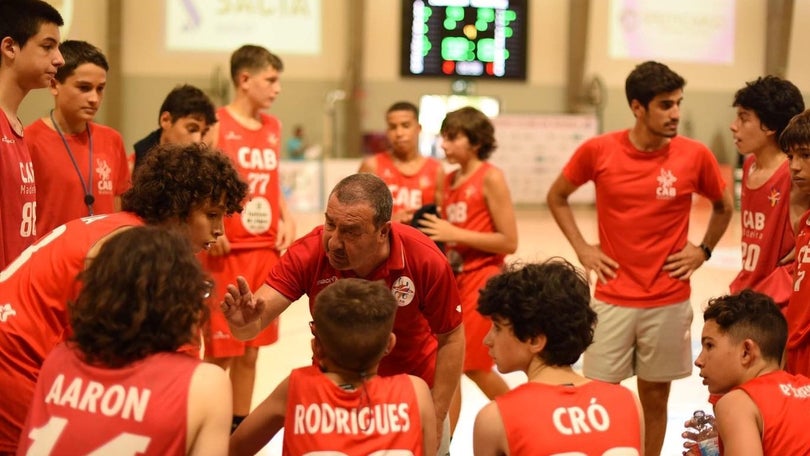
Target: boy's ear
(242,78)
(537,343)
(750,352)
(392,340)
(7,47)
(52,86)
(317,351)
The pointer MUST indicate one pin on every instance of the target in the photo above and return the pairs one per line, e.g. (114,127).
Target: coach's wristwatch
(706,250)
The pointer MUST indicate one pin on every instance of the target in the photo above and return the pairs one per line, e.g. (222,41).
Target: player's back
(34,291)
(141,408)
(593,418)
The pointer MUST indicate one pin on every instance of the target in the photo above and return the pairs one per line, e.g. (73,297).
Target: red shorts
(17,392)
(476,354)
(798,360)
(252,264)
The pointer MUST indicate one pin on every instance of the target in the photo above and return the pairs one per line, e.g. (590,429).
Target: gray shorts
(655,343)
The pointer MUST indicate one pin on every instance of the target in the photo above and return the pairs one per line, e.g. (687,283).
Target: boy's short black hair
(188,101)
(77,53)
(22,19)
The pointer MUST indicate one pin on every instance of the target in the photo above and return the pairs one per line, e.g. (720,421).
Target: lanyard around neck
(89,199)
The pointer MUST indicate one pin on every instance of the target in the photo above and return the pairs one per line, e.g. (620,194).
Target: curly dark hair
(773,99)
(550,298)
(797,133)
(473,124)
(649,79)
(353,319)
(366,188)
(175,179)
(751,315)
(143,293)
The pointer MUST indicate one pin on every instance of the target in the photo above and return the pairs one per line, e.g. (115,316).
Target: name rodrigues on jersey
(379,419)
(93,397)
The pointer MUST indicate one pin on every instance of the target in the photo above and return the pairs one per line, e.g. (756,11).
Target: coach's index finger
(244,288)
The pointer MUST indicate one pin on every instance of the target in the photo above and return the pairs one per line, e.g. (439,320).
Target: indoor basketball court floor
(539,238)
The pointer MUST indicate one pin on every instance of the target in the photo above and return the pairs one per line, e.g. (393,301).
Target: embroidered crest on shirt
(403,290)
(6,311)
(774,197)
(232,136)
(665,188)
(272,138)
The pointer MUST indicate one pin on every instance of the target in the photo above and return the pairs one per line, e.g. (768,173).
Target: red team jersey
(18,194)
(464,206)
(254,154)
(782,400)
(590,419)
(798,311)
(251,234)
(139,409)
(418,275)
(767,236)
(644,202)
(409,192)
(60,195)
(34,290)
(322,416)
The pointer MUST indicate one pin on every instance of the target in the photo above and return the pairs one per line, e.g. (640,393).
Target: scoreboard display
(464,38)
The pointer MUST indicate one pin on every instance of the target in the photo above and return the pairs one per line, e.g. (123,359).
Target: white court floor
(539,238)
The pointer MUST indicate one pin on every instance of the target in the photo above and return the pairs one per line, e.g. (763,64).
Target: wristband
(707,251)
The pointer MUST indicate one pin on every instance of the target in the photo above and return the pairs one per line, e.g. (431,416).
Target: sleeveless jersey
(643,205)
(767,236)
(321,416)
(410,192)
(34,291)
(60,194)
(591,419)
(138,409)
(255,154)
(18,194)
(418,275)
(798,311)
(782,400)
(465,206)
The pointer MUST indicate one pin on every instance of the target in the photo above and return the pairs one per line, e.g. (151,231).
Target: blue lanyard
(89,199)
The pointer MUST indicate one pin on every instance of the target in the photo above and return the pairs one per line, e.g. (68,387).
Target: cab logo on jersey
(665,189)
(104,171)
(403,290)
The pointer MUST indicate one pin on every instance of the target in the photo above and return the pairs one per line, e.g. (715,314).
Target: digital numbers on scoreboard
(464,38)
